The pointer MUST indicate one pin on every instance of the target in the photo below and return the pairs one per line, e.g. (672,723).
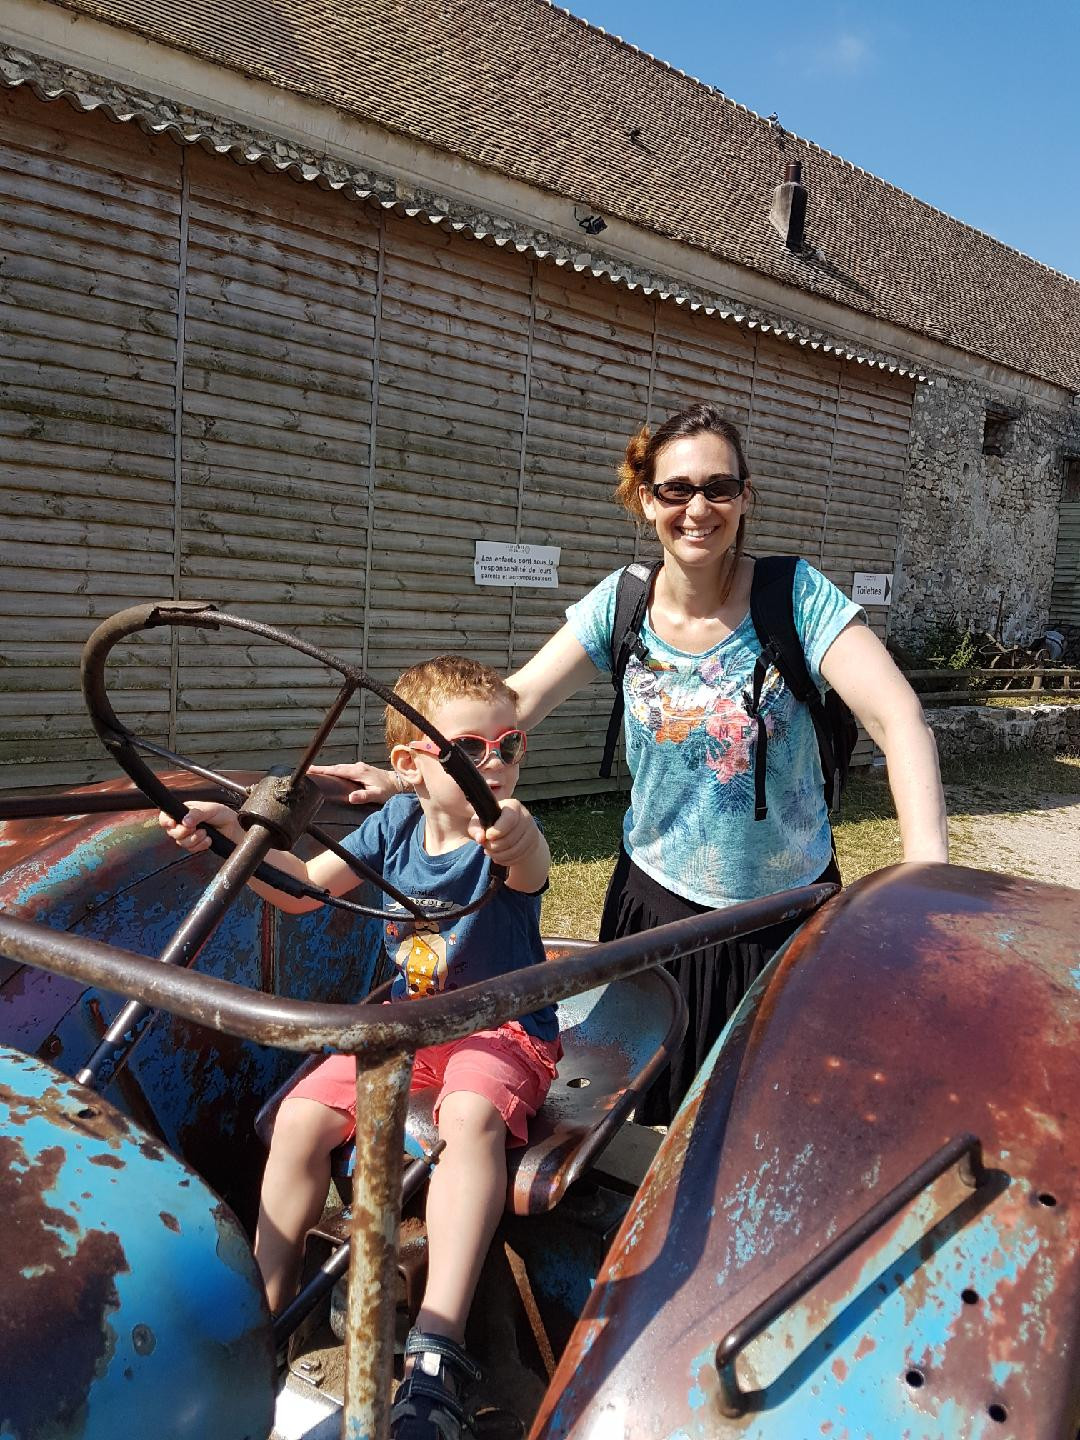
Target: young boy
(425,841)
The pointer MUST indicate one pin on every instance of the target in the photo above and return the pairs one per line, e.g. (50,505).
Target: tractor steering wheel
(284,805)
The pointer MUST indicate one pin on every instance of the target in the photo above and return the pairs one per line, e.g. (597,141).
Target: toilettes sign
(871,589)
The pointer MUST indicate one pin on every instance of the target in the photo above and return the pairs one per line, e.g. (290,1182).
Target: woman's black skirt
(713,980)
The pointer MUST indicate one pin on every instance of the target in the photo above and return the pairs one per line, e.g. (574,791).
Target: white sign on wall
(496,564)
(871,589)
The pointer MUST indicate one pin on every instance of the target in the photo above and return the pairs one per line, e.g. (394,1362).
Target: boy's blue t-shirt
(690,747)
(501,936)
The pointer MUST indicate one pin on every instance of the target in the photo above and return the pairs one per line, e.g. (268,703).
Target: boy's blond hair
(431,684)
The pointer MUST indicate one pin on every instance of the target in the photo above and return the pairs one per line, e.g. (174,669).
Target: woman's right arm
(554,673)
(558,670)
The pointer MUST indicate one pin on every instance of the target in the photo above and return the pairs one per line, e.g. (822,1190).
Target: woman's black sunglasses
(681,492)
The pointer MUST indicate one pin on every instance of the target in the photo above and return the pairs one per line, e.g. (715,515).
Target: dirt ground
(1042,842)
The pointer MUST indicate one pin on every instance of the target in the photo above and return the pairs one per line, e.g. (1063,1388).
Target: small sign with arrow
(869,589)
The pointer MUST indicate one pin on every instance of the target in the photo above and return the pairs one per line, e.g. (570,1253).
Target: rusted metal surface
(127,1291)
(62,855)
(121,793)
(136,1104)
(195,929)
(414,1177)
(382,1095)
(964,1152)
(381,1033)
(117,877)
(923,1002)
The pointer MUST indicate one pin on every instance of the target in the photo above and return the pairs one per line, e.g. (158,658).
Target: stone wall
(978,532)
(989,729)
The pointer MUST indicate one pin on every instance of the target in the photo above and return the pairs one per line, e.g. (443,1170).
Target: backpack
(772,611)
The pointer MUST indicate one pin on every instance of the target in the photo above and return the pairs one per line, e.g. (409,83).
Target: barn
(302,304)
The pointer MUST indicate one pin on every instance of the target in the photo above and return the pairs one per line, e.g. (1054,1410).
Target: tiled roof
(530,91)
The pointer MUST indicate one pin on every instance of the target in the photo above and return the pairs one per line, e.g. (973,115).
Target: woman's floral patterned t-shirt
(690,748)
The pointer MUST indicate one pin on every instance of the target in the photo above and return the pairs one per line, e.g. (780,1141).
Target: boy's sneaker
(427,1405)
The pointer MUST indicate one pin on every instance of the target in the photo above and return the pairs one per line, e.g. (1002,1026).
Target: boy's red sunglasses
(509,747)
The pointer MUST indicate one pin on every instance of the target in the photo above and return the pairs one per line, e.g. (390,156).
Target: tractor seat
(615,1039)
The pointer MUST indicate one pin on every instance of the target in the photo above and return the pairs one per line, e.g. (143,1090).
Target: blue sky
(972,107)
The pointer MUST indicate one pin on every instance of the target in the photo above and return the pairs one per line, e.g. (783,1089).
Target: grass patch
(1007,782)
(999,698)
(584,837)
(584,834)
(866,832)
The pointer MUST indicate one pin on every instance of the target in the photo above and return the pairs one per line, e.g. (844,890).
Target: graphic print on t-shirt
(695,706)
(420,954)
(691,745)
(443,949)
(422,960)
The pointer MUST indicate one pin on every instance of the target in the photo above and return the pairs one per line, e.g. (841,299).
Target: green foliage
(963,654)
(944,647)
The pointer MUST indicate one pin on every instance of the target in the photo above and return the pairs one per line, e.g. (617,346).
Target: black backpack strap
(752,701)
(631,603)
(772,609)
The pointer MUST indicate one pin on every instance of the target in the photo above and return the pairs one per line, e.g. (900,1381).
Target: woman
(690,840)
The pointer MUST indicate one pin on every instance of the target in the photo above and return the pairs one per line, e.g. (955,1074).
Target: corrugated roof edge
(810,144)
(50,80)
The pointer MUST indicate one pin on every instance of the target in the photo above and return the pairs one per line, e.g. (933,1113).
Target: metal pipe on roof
(788,213)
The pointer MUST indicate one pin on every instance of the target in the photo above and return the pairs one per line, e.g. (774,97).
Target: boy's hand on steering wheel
(513,838)
(373,785)
(201,812)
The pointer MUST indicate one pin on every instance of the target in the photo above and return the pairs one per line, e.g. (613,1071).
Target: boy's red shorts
(507,1066)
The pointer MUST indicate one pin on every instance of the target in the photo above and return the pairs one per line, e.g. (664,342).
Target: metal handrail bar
(310,1026)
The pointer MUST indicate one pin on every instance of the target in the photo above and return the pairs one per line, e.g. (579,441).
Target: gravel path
(1042,842)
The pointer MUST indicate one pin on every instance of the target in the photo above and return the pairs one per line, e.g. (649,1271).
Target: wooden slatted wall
(451,407)
(589,389)
(1065,598)
(279,320)
(218,384)
(89,262)
(868,466)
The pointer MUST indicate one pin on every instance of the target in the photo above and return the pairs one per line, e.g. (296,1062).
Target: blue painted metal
(129,1301)
(922,1003)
